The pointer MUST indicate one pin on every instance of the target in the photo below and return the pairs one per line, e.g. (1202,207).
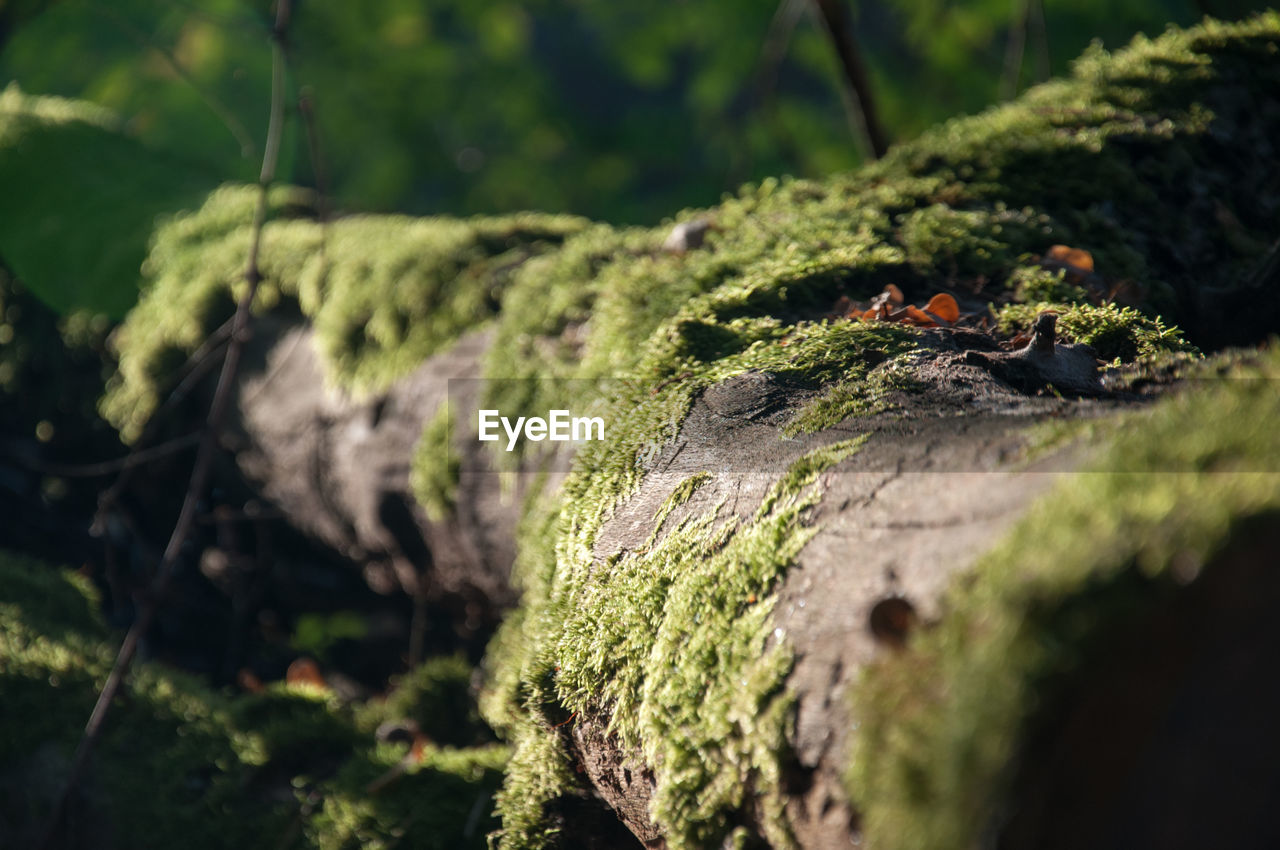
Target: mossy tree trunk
(773,605)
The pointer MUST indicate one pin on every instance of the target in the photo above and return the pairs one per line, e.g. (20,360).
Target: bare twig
(776,41)
(200,362)
(106,467)
(1028,20)
(764,87)
(1016,49)
(862,103)
(1040,28)
(208,444)
(307,112)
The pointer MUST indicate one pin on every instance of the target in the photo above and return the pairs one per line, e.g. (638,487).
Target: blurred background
(620,110)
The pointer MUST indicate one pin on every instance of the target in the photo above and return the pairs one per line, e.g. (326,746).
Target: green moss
(962,204)
(437,697)
(1116,333)
(442,802)
(1033,284)
(53,659)
(1121,160)
(671,647)
(969,243)
(436,465)
(863,391)
(940,726)
(683,493)
(177,756)
(383,292)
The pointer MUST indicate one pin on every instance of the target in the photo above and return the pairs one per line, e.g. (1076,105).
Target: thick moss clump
(941,726)
(170,760)
(1127,159)
(670,648)
(1116,333)
(177,756)
(383,292)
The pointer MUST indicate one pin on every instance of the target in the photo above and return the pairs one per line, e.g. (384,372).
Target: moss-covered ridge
(383,292)
(1126,159)
(178,757)
(1154,159)
(940,727)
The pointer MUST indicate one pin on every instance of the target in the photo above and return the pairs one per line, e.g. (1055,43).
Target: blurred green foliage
(290,766)
(615,109)
(80,199)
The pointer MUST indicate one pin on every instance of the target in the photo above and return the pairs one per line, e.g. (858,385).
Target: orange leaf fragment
(1077,258)
(944,307)
(916,316)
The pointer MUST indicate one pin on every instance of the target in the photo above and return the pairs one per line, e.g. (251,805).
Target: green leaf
(80,201)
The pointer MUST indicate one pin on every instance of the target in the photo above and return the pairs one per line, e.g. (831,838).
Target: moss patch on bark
(383,292)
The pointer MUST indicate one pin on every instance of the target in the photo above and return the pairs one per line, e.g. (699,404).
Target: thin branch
(1016,49)
(1040,28)
(765,86)
(107,467)
(863,112)
(307,111)
(208,444)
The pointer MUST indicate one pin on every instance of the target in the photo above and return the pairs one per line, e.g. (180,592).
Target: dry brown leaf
(944,307)
(915,316)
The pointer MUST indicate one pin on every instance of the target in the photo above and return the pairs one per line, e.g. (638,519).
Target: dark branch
(840,31)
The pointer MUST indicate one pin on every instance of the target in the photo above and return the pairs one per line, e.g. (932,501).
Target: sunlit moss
(670,647)
(436,465)
(383,292)
(1116,333)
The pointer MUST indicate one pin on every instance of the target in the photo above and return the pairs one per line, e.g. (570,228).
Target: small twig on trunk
(862,102)
(107,467)
(1028,17)
(208,444)
(1040,27)
(1014,52)
(307,112)
(764,88)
